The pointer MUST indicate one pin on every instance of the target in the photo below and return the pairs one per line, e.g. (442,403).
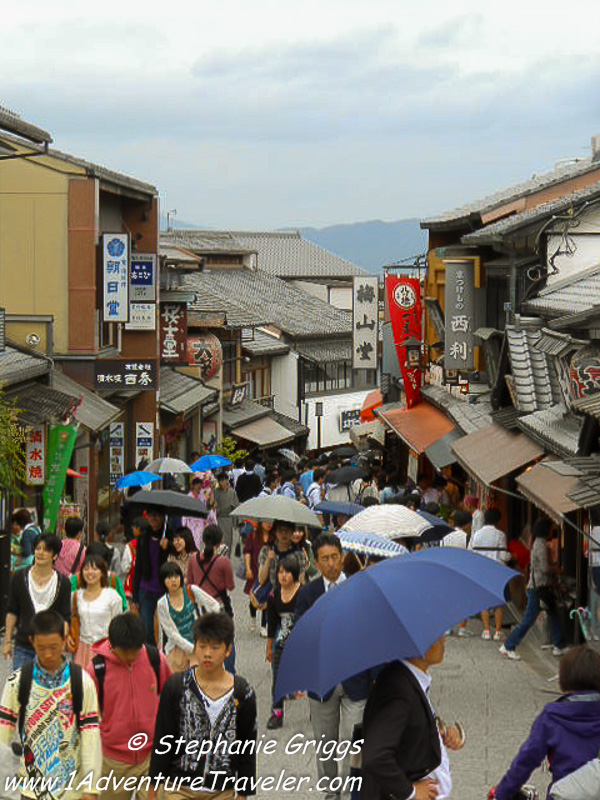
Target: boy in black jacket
(214,714)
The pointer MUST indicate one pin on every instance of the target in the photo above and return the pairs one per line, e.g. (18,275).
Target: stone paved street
(496,700)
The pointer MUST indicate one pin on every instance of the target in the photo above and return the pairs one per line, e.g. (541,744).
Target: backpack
(25,681)
(223,596)
(99,664)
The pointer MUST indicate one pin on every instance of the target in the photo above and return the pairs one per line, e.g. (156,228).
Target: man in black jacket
(248,484)
(335,715)
(404,753)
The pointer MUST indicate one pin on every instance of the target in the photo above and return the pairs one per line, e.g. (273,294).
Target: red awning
(372,401)
(418,427)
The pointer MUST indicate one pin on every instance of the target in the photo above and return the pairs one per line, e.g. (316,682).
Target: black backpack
(99,665)
(26,680)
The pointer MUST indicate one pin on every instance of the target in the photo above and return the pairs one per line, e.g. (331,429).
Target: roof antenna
(171,213)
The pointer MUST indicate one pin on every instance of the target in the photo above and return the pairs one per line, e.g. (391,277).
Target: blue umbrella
(137,479)
(395,609)
(439,528)
(210,462)
(338,507)
(370,544)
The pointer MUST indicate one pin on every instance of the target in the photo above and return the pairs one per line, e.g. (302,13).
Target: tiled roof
(531,216)
(297,428)
(573,295)
(246,412)
(554,343)
(507,417)
(536,381)
(469,417)
(285,254)
(93,412)
(180,393)
(326,350)
(259,343)
(37,404)
(17,366)
(554,430)
(9,121)
(253,297)
(588,405)
(561,173)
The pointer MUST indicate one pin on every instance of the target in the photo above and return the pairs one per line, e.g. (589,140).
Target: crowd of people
(134,642)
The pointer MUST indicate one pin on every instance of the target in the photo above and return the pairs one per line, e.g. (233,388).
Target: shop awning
(548,490)
(265,433)
(493,452)
(418,427)
(440,453)
(372,401)
(180,394)
(38,404)
(372,430)
(93,412)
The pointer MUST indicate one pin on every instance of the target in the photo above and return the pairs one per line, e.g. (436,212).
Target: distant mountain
(371,244)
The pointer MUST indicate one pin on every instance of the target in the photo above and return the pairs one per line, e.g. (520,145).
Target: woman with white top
(176,612)
(94,606)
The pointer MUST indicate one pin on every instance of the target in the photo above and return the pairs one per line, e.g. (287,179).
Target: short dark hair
(127,631)
(102,530)
(141,523)
(281,523)
(46,622)
(318,474)
(288,475)
(461,518)
(21,517)
(169,569)
(541,528)
(187,536)
(73,527)
(290,564)
(195,481)
(271,477)
(492,516)
(214,627)
(212,536)
(579,670)
(95,560)
(222,476)
(50,542)
(326,540)
(249,464)
(432,508)
(369,501)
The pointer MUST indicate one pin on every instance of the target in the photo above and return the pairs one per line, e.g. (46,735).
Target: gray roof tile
(37,404)
(536,381)
(17,366)
(573,295)
(554,429)
(326,350)
(535,184)
(180,393)
(259,343)
(93,412)
(469,417)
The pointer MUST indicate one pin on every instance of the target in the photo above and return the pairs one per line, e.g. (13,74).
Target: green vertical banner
(61,441)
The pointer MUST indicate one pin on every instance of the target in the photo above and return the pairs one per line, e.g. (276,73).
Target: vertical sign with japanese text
(115,261)
(116,448)
(404,303)
(365,323)
(459,312)
(142,278)
(61,441)
(144,442)
(35,456)
(173,332)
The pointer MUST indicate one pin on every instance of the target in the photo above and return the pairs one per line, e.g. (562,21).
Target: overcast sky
(270,113)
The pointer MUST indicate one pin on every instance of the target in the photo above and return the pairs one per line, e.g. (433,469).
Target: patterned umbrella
(390,521)
(370,544)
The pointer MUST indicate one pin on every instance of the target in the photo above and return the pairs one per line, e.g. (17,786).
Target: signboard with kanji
(173,333)
(404,304)
(116,448)
(114,374)
(204,350)
(115,261)
(142,278)
(35,456)
(459,312)
(144,442)
(365,323)
(61,441)
(142,317)
(348,419)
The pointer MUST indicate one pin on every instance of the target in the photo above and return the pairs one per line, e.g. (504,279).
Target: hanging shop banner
(205,351)
(459,311)
(173,333)
(116,450)
(404,303)
(142,317)
(61,441)
(35,456)
(142,278)
(122,374)
(144,442)
(365,319)
(115,260)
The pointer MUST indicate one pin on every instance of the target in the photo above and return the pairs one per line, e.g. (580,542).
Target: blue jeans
(532,612)
(21,656)
(148,601)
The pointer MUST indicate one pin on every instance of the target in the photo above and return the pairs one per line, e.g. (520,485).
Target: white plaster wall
(341,297)
(313,289)
(333,405)
(284,383)
(584,240)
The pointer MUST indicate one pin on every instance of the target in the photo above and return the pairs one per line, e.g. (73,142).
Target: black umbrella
(346,475)
(346,451)
(170,502)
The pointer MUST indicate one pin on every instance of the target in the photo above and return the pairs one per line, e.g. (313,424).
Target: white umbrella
(390,520)
(292,457)
(277,507)
(168,466)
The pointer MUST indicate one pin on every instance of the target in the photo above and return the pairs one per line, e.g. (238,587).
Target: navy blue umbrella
(338,507)
(395,609)
(439,528)
(209,462)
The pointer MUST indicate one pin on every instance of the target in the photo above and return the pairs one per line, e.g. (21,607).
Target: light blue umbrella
(136,479)
(210,462)
(370,544)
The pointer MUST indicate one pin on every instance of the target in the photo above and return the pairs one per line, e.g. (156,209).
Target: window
(229,363)
(335,376)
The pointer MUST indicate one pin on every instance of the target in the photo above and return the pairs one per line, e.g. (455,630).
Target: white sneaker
(558,651)
(498,637)
(511,654)
(263,633)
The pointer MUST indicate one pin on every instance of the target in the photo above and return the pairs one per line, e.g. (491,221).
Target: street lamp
(413,353)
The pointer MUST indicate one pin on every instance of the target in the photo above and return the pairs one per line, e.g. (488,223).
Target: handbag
(240,570)
(260,595)
(583,784)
